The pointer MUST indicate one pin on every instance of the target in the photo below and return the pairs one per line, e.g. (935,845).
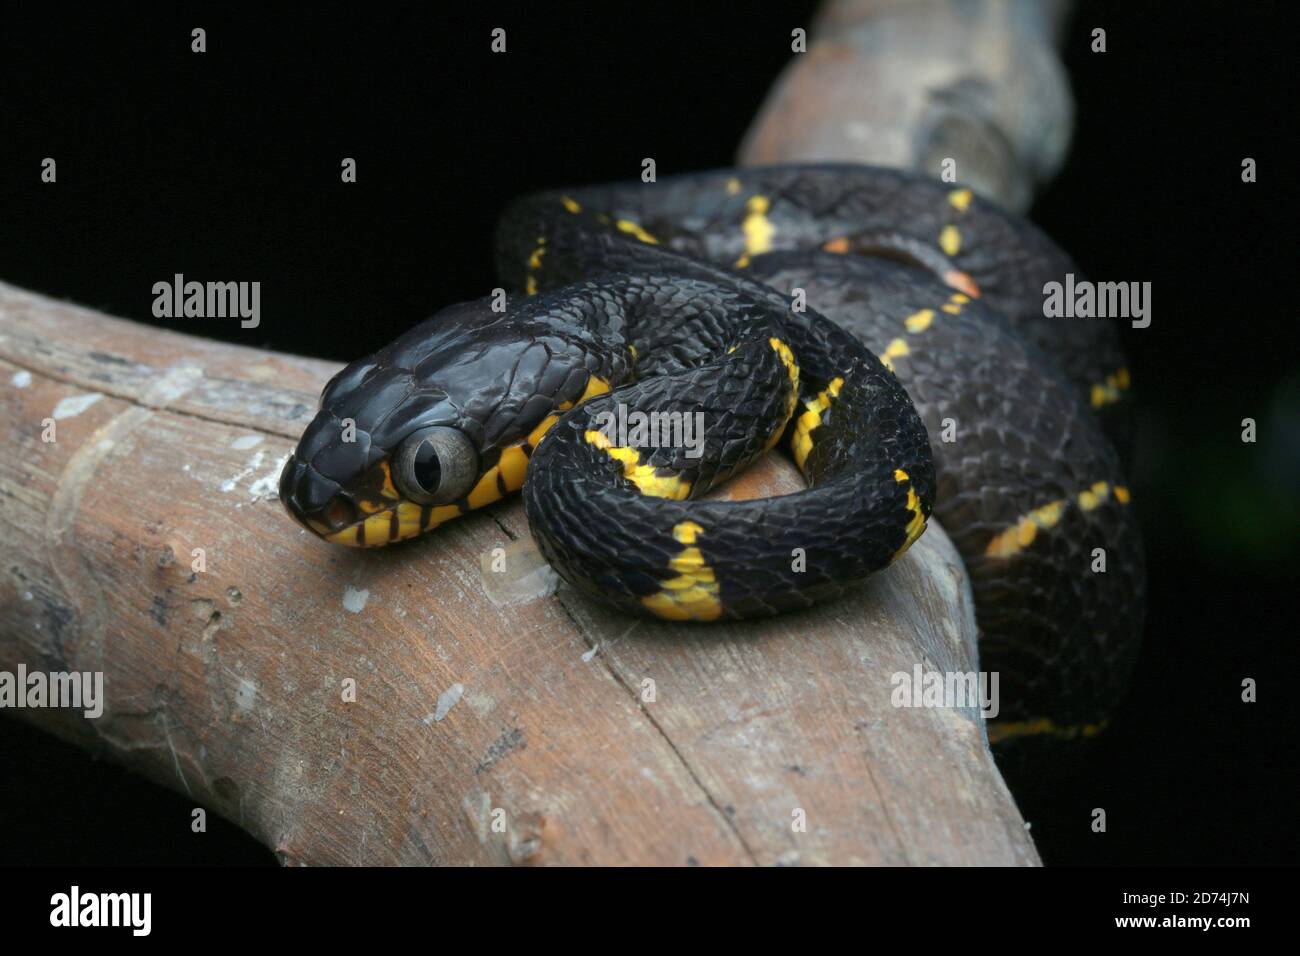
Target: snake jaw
(355,534)
(370,512)
(396,521)
(387,515)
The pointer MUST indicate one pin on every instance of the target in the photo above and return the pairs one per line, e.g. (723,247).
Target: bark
(911,83)
(497,719)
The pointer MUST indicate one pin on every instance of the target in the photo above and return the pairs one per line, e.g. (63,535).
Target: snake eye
(435,465)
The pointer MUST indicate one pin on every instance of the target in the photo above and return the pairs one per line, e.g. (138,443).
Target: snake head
(438,423)
(380,460)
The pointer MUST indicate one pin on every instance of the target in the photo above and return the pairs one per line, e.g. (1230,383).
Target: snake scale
(884,328)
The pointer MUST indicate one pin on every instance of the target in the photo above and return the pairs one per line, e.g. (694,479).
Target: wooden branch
(496,719)
(910,83)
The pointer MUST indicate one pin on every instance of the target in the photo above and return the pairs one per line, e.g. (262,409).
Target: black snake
(885,328)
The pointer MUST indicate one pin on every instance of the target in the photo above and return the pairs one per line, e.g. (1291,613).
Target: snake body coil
(843,312)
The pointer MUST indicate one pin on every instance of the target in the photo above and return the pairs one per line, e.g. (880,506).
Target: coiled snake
(886,329)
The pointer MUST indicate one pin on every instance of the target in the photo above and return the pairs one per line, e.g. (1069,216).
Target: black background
(225,165)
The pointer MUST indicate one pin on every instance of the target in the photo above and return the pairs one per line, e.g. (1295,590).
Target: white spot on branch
(448,699)
(268,486)
(230,484)
(74,405)
(245,694)
(174,384)
(354,599)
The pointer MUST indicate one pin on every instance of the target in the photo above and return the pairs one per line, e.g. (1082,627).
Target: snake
(651,340)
